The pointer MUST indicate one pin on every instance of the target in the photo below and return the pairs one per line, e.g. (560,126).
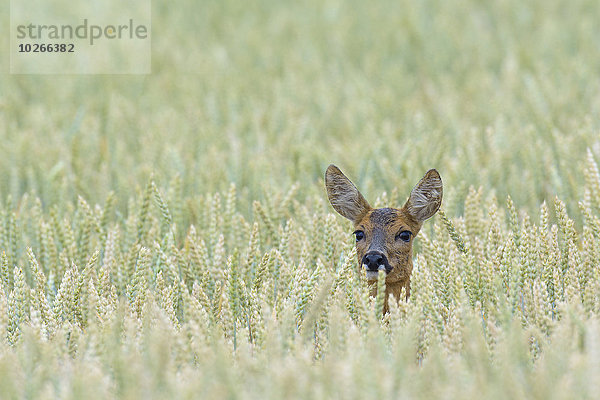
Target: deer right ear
(425,198)
(344,196)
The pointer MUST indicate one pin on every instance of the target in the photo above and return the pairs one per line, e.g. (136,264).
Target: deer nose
(373,261)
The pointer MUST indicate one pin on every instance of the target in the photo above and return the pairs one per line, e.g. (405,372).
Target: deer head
(384,236)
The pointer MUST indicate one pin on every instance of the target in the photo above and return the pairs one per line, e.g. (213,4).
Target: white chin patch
(373,275)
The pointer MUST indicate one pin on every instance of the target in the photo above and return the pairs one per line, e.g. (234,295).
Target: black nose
(373,261)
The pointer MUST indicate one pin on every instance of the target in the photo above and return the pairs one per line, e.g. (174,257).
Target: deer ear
(344,196)
(425,198)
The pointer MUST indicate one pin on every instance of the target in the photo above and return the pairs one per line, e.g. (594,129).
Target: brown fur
(382,225)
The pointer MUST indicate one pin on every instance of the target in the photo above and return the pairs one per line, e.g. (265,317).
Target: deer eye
(360,235)
(404,236)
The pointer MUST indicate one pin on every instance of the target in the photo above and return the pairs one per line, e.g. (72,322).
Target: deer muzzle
(373,262)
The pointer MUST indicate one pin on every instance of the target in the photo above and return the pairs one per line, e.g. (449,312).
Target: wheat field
(169,236)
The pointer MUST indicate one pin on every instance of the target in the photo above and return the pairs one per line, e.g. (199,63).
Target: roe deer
(384,236)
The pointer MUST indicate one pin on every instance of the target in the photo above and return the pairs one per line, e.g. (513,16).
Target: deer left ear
(425,198)
(344,196)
